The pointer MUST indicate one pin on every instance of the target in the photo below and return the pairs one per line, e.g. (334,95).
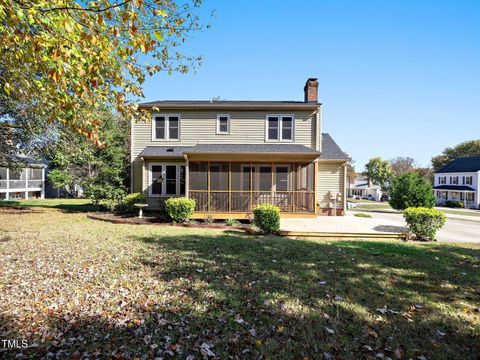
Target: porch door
(166,180)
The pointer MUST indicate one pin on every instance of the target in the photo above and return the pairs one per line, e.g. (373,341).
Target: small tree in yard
(424,223)
(411,190)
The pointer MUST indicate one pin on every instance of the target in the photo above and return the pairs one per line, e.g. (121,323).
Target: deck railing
(245,201)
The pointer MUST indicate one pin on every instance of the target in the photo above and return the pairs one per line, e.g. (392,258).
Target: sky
(396,78)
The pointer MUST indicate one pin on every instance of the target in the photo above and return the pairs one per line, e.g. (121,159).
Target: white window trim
(167,123)
(218,124)
(164,188)
(280,128)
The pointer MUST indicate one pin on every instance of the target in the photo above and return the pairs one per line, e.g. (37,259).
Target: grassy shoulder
(149,291)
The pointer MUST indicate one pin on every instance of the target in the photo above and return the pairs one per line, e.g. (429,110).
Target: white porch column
(7,194)
(26,183)
(42,193)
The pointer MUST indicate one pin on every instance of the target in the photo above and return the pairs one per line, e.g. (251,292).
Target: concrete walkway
(455,230)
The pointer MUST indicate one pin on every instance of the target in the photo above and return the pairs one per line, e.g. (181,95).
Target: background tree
(378,171)
(62,59)
(467,148)
(411,190)
(103,172)
(401,165)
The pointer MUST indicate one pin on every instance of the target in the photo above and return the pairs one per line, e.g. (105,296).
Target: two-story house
(459,180)
(231,156)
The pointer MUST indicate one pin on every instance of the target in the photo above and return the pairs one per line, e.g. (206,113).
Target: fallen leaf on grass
(329,331)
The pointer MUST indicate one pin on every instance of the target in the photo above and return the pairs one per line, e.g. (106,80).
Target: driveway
(455,230)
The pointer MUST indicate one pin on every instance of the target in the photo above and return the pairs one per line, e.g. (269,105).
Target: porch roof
(251,149)
(164,151)
(454,188)
(233,151)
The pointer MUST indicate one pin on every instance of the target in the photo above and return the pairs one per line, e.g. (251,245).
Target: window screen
(273,128)
(223,124)
(287,128)
(160,127)
(173,131)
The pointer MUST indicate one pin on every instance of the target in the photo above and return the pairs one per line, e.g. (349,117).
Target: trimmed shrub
(424,223)
(411,190)
(454,204)
(127,204)
(267,218)
(180,209)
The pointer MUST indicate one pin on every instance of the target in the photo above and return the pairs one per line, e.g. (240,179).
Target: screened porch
(238,187)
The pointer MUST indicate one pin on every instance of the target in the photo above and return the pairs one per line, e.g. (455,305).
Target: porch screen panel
(262,180)
(157,181)
(3,178)
(281,178)
(219,196)
(198,176)
(17,174)
(219,176)
(35,174)
(240,187)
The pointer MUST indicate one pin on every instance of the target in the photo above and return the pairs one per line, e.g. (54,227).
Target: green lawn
(374,206)
(76,287)
(63,204)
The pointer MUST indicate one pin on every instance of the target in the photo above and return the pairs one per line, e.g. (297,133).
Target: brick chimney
(311,90)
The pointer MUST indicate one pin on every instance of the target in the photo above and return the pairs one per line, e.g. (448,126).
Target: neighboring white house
(362,188)
(25,182)
(459,181)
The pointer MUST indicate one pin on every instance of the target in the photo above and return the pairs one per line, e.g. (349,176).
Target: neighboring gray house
(25,181)
(231,156)
(459,180)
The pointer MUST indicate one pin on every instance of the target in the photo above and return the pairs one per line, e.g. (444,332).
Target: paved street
(455,230)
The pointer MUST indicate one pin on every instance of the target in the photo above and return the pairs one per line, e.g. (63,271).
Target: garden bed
(162,220)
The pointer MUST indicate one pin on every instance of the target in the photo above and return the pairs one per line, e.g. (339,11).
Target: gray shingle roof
(164,151)
(454,187)
(206,104)
(251,148)
(330,149)
(463,164)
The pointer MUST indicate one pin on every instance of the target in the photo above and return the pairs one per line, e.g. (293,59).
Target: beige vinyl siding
(331,177)
(199,127)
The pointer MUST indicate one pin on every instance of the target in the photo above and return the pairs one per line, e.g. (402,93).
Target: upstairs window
(223,124)
(467,180)
(442,180)
(166,127)
(279,128)
(453,180)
